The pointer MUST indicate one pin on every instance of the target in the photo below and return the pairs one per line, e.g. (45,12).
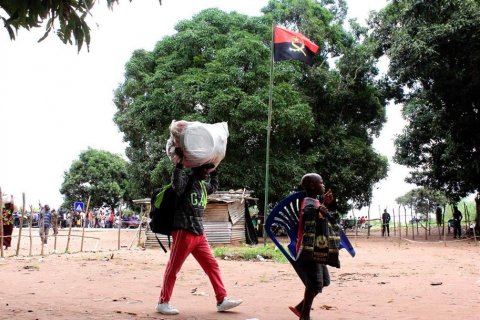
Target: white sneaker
(166,308)
(228,304)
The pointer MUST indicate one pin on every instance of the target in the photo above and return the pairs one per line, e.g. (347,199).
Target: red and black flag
(292,45)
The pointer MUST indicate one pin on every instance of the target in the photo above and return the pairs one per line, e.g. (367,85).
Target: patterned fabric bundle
(320,242)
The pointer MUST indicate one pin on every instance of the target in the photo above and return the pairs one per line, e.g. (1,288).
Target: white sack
(201,143)
(7,198)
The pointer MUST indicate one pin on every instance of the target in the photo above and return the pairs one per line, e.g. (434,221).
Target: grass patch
(249,253)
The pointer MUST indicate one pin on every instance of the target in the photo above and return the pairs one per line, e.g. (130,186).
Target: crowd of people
(353,222)
(50,220)
(96,218)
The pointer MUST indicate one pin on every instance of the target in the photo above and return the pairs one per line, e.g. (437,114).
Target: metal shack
(223,219)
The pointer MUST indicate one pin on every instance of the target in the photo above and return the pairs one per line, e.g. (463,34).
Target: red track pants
(184,243)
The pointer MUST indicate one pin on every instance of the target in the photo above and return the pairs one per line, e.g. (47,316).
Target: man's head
(47,207)
(312,183)
(202,172)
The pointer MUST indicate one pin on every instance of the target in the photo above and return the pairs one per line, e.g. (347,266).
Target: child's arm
(324,213)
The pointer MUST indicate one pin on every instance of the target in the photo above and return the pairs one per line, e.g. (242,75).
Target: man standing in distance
(385,223)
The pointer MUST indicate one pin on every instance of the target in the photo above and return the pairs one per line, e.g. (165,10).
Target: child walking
(312,244)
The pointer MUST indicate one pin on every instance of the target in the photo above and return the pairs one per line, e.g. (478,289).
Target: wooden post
(21,224)
(477,211)
(381,221)
(438,224)
(42,230)
(426,228)
(443,219)
(141,222)
(467,218)
(30,230)
(119,224)
(83,228)
(368,221)
(406,222)
(1,222)
(399,227)
(411,215)
(405,212)
(443,224)
(72,215)
(428,223)
(55,233)
(394,223)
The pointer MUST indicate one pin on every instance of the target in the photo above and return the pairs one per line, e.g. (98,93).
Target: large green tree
(216,68)
(422,200)
(99,174)
(67,17)
(434,51)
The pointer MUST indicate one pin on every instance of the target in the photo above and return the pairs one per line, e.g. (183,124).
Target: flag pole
(269,124)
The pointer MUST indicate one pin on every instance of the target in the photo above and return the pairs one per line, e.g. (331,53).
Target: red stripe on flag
(283,35)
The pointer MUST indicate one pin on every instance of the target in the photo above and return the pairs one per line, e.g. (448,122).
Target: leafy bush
(249,253)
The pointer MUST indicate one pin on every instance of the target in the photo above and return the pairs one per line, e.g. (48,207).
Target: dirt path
(386,280)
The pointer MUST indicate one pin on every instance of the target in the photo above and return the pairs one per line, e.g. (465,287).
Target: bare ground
(388,279)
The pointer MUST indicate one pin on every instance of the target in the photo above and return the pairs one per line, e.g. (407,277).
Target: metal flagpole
(269,124)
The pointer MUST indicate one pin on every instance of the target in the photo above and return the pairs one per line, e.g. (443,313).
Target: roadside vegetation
(249,253)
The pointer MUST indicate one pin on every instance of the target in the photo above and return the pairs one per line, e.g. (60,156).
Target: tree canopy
(216,68)
(67,17)
(99,174)
(422,200)
(434,51)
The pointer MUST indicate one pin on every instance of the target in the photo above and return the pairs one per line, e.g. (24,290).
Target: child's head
(312,183)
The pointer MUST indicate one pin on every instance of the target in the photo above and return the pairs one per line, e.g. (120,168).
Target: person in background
(457,223)
(111,219)
(83,219)
(44,223)
(71,219)
(55,223)
(91,219)
(385,223)
(189,236)
(363,221)
(439,215)
(7,224)
(102,219)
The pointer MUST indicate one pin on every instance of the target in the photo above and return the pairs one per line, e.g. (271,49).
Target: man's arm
(212,186)
(179,179)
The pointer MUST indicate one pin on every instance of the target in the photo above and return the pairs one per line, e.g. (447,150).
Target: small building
(223,219)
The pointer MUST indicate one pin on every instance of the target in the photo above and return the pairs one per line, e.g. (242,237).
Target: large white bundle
(200,143)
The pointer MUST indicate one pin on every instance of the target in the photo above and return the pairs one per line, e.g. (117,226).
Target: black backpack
(163,203)
(162,208)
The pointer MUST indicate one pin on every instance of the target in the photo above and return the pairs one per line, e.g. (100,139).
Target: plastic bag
(200,143)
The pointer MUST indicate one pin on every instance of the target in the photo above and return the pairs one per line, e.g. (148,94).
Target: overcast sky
(55,102)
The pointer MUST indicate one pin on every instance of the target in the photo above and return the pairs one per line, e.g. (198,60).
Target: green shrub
(249,253)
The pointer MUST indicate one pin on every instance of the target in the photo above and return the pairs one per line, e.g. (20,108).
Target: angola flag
(292,45)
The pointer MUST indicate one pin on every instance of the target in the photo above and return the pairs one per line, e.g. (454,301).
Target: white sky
(55,102)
